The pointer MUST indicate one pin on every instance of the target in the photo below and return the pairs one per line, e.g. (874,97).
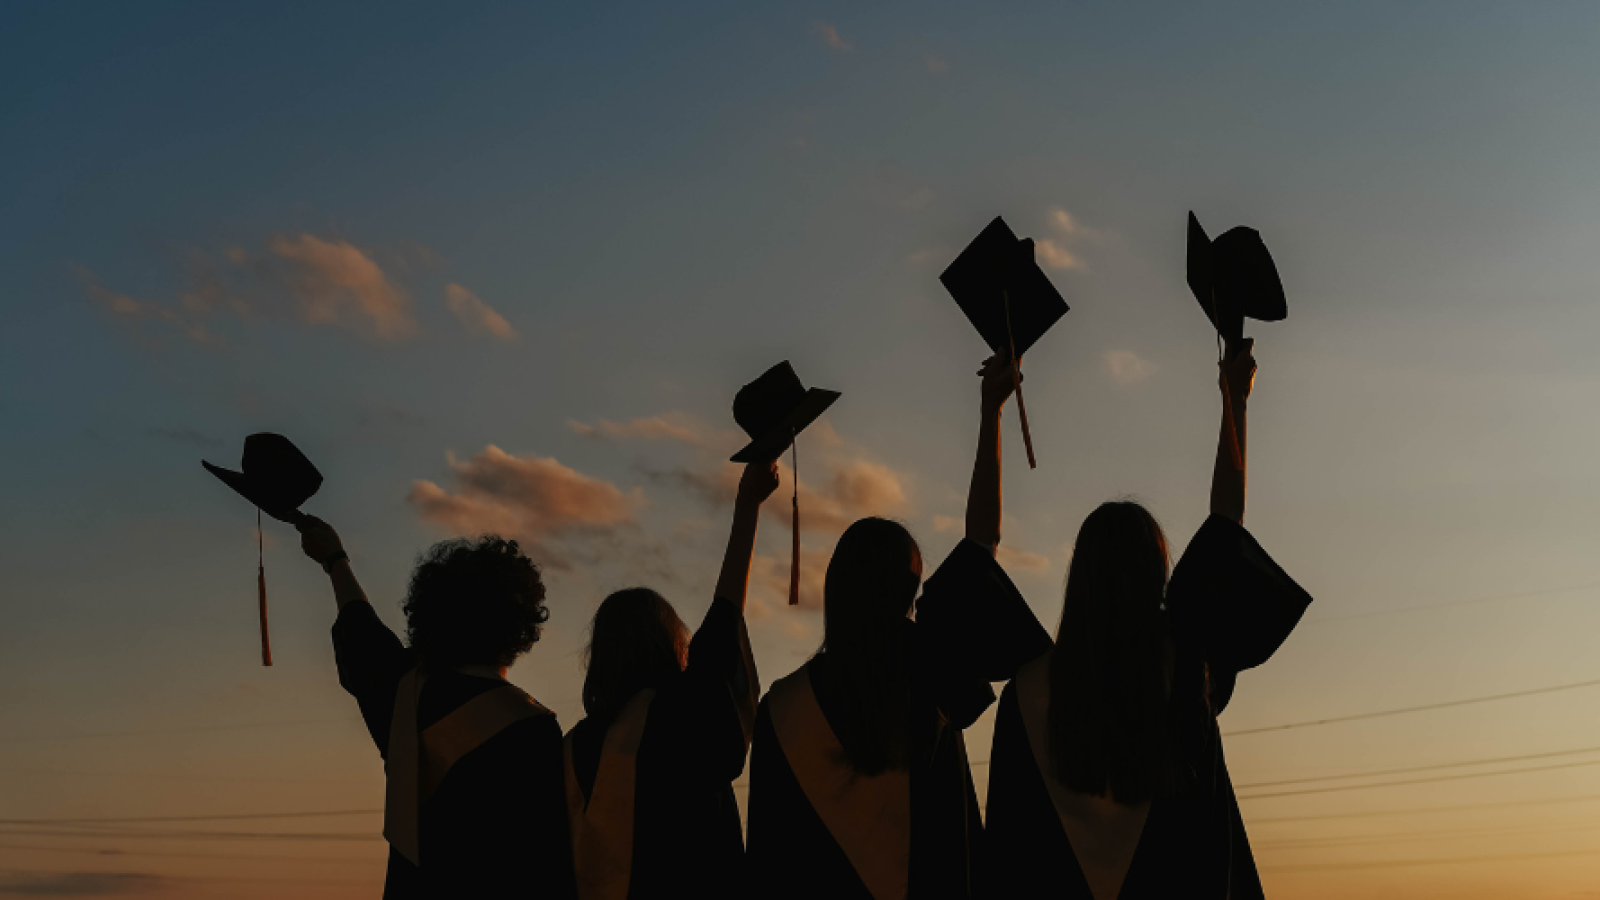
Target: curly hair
(474,602)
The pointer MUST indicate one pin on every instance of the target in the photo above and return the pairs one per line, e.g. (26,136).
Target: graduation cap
(277,478)
(773,410)
(1007,297)
(1234,279)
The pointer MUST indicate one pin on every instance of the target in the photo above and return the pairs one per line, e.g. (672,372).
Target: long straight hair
(871,582)
(636,641)
(1110,733)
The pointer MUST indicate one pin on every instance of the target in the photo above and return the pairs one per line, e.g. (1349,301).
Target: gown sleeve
(717,704)
(973,628)
(371,662)
(1233,603)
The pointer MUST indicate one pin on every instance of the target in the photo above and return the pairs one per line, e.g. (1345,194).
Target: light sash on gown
(602,826)
(1103,834)
(869,816)
(415,763)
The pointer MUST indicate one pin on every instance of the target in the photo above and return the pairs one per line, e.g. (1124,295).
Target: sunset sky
(505,270)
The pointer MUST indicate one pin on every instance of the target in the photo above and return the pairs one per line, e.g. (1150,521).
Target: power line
(1410,781)
(156,731)
(1450,834)
(219,818)
(65,832)
(332,860)
(1422,810)
(1426,861)
(1411,709)
(174,776)
(1370,773)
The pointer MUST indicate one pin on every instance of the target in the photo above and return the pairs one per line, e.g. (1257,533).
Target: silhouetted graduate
(859,784)
(1107,778)
(650,769)
(474,804)
(278,479)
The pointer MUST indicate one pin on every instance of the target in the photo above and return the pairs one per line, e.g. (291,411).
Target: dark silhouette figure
(474,803)
(1107,777)
(650,769)
(859,783)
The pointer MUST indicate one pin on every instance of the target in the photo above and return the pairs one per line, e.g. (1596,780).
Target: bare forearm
(734,582)
(345,587)
(983,497)
(1228,479)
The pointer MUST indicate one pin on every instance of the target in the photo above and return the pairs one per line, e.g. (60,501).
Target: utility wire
(149,731)
(1427,861)
(1411,709)
(1410,781)
(119,820)
(331,860)
(1370,773)
(1422,810)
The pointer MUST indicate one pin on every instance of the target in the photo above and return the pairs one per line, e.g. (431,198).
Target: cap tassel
(1016,375)
(794,553)
(261,591)
(1227,397)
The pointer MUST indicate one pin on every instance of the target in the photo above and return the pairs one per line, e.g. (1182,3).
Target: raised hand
(999,381)
(759,481)
(318,540)
(1238,369)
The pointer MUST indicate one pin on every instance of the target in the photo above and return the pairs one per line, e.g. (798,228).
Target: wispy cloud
(1127,367)
(1056,256)
(334,283)
(830,36)
(536,499)
(129,310)
(1022,560)
(477,315)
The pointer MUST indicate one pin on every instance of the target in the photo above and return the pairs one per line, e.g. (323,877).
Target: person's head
(1108,672)
(636,641)
(474,602)
(871,583)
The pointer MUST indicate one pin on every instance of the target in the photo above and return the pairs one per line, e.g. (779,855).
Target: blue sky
(659,202)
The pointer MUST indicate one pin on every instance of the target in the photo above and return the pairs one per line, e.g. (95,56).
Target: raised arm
(760,479)
(322,544)
(983,497)
(1237,376)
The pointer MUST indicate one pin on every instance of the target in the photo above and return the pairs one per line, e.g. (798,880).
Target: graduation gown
(688,744)
(495,824)
(1231,608)
(909,834)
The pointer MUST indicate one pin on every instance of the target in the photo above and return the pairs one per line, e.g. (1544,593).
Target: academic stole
(869,816)
(416,762)
(602,825)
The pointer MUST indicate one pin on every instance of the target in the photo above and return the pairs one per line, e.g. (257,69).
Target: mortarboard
(1006,297)
(1234,279)
(773,410)
(277,478)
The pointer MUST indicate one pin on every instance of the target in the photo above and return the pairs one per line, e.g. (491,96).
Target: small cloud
(334,283)
(1127,367)
(535,499)
(943,524)
(1022,560)
(1055,256)
(830,35)
(127,309)
(477,315)
(769,575)
(78,884)
(937,66)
